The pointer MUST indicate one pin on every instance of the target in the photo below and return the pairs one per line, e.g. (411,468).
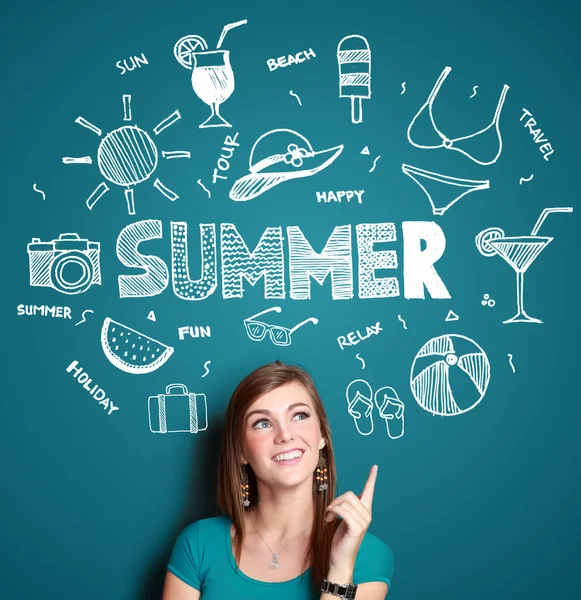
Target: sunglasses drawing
(280,336)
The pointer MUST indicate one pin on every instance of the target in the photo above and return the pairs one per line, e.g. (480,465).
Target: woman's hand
(356,514)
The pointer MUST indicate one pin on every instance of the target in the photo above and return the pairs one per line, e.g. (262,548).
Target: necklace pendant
(274,564)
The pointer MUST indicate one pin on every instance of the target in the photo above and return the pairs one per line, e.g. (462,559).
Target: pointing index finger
(367,494)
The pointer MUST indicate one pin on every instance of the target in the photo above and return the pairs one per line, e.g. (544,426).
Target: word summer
(423,245)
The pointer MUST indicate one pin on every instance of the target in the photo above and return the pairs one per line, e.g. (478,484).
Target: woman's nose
(284,432)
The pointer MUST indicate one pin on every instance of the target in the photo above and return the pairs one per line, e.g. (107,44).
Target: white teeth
(288,456)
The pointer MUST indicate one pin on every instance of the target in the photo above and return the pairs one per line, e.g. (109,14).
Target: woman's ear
(322,443)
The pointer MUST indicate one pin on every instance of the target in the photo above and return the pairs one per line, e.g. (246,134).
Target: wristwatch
(346,591)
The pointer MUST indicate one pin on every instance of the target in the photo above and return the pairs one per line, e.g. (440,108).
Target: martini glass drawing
(212,75)
(519,252)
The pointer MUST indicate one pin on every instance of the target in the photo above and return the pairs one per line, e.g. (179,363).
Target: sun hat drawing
(278,156)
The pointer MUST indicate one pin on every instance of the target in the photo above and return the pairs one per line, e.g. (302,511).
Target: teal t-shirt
(202,557)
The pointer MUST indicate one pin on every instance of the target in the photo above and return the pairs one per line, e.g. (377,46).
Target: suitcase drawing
(177,411)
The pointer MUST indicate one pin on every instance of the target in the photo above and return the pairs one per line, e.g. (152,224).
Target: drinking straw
(544,215)
(227,29)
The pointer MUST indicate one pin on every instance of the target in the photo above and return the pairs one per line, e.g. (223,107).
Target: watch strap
(346,591)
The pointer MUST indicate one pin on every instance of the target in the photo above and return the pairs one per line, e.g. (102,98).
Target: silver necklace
(274,563)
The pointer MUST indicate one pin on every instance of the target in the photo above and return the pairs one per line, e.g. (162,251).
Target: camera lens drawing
(128,156)
(68,264)
(519,252)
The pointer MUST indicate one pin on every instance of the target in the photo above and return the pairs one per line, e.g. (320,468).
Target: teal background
(482,505)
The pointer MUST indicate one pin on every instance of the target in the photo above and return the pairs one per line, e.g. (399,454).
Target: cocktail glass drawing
(213,82)
(519,252)
(212,75)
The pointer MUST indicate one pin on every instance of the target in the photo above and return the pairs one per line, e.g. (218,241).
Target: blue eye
(305,416)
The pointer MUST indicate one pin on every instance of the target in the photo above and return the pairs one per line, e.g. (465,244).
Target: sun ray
(176,154)
(175,116)
(97,193)
(130,201)
(127,156)
(88,125)
(165,191)
(83,160)
(127,107)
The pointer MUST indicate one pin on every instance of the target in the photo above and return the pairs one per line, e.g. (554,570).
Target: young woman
(282,535)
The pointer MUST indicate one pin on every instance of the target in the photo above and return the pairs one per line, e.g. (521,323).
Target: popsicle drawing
(354,60)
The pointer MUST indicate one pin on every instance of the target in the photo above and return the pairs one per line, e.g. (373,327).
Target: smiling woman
(281,531)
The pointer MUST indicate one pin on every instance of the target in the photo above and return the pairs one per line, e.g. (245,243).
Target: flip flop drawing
(391,408)
(360,405)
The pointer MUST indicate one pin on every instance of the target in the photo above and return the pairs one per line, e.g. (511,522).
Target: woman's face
(278,422)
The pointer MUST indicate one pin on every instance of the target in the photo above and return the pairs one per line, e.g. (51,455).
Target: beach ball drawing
(449,375)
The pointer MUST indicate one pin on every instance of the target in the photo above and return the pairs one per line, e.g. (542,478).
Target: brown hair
(259,382)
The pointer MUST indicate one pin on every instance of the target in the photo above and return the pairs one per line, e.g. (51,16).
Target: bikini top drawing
(459,144)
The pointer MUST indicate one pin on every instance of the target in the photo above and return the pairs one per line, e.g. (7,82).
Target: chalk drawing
(487,301)
(177,411)
(131,351)
(295,158)
(199,182)
(212,75)
(94,390)
(360,405)
(297,97)
(545,148)
(128,156)
(374,163)
(155,276)
(511,363)
(335,259)
(448,187)
(238,263)
(184,287)
(39,191)
(370,260)
(456,144)
(83,320)
(519,252)
(82,160)
(279,336)
(354,60)
(56,263)
(355,337)
(206,369)
(391,409)
(434,387)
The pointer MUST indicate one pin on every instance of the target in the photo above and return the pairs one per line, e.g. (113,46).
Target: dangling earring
(244,487)
(321,471)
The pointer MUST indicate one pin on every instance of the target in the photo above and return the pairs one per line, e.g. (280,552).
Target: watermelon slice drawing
(130,350)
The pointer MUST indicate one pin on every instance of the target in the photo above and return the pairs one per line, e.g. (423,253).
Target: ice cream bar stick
(356,109)
(130,201)
(545,214)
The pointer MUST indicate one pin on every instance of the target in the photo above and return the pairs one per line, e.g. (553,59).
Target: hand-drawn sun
(127,156)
